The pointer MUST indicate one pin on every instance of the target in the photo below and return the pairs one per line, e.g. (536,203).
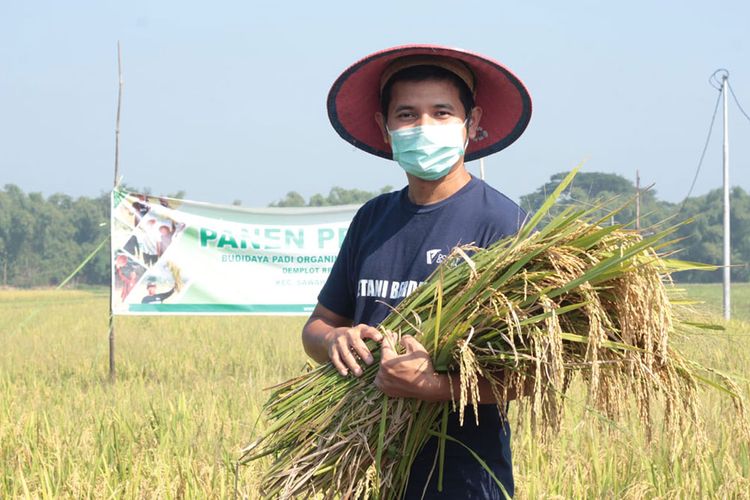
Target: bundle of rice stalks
(573,298)
(176,273)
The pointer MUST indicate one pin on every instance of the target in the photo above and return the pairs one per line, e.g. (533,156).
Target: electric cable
(705,146)
(737,101)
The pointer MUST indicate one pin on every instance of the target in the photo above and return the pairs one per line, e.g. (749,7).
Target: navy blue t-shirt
(392,246)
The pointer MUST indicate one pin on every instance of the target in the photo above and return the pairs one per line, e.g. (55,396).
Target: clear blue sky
(226,100)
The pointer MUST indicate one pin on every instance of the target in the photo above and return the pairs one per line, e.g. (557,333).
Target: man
(126,273)
(155,298)
(148,241)
(165,239)
(422,106)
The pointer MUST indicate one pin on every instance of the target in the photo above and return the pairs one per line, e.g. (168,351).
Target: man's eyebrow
(408,107)
(403,107)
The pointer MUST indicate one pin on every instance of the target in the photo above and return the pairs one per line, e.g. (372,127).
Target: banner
(174,256)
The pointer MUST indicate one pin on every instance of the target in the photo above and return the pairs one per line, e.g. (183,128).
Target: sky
(226,100)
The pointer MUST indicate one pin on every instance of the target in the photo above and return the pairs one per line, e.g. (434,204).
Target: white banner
(181,257)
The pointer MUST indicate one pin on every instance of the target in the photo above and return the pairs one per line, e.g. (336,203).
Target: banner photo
(173,256)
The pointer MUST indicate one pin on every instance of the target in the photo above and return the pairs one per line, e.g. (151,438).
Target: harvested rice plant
(572,301)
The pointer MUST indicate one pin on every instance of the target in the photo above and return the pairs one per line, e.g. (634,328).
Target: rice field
(189,390)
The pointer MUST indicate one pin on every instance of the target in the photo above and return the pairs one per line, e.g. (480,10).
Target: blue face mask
(428,151)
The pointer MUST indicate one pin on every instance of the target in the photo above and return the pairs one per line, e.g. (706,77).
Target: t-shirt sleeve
(505,218)
(338,292)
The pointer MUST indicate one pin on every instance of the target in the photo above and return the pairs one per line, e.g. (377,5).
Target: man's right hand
(328,336)
(346,344)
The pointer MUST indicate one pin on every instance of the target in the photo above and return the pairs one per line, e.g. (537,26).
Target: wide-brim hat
(354,98)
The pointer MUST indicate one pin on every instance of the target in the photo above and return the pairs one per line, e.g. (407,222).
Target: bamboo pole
(115,183)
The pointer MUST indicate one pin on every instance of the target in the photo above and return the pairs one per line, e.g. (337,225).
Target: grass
(189,390)
(187,396)
(711,297)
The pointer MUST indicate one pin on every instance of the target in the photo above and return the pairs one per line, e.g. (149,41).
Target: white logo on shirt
(434,256)
(386,289)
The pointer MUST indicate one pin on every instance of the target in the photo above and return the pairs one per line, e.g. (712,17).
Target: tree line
(42,240)
(699,236)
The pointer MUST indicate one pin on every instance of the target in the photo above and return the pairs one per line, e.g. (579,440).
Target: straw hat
(354,97)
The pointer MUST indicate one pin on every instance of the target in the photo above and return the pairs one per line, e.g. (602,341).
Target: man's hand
(409,375)
(344,342)
(328,336)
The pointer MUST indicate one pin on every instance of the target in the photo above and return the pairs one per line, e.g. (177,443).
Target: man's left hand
(408,375)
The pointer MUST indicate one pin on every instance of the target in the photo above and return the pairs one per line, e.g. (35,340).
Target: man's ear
(380,120)
(476,115)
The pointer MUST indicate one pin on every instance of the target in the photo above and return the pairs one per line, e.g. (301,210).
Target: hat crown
(455,66)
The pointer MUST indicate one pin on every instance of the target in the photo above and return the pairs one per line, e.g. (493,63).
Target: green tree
(90,217)
(703,237)
(43,241)
(16,231)
(590,189)
(292,199)
(336,196)
(700,240)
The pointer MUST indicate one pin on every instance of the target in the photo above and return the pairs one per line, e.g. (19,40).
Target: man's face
(151,289)
(429,102)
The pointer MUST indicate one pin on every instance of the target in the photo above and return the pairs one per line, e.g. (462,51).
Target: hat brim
(354,99)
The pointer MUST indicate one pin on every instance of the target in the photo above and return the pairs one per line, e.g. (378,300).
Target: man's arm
(411,375)
(165,295)
(328,336)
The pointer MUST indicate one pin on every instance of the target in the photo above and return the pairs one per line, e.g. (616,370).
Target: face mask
(428,151)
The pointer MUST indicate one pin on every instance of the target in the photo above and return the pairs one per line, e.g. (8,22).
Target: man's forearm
(447,388)
(314,338)
(445,384)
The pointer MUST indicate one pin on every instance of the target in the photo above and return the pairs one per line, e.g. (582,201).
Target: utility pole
(637,200)
(727,232)
(481,168)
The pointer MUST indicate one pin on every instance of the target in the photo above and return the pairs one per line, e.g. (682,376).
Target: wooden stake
(115,183)
(117,118)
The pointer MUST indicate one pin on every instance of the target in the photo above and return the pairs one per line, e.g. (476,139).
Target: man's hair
(424,73)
